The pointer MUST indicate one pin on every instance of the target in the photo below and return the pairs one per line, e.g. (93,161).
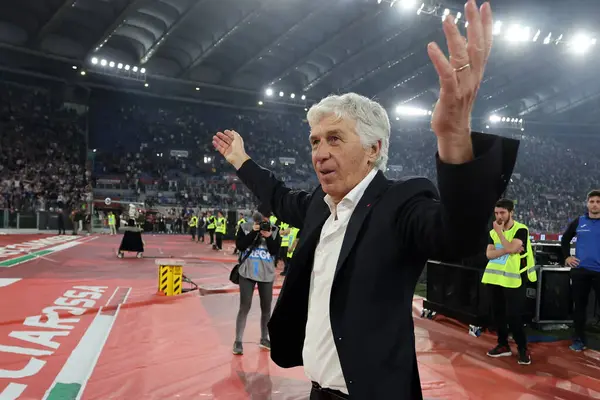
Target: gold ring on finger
(462,68)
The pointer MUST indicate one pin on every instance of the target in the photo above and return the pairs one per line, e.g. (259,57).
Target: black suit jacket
(394,229)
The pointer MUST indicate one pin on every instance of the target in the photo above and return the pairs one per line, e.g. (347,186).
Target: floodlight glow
(281,94)
(260,103)
(293,96)
(127,67)
(446,13)
(146,84)
(111,64)
(503,119)
(83,73)
(143,70)
(103,63)
(581,43)
(411,111)
(269,92)
(135,69)
(548,38)
(74,67)
(197,88)
(303,97)
(494,118)
(94,60)
(517,33)
(407,4)
(458,15)
(497,28)
(120,65)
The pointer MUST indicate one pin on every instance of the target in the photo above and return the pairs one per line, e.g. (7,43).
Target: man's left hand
(460,78)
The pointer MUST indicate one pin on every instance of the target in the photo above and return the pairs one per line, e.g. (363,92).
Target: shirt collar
(354,196)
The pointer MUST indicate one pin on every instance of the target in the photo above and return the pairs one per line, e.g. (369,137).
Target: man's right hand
(572,262)
(231,146)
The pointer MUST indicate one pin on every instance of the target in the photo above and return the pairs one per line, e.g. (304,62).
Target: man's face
(593,205)
(503,216)
(338,156)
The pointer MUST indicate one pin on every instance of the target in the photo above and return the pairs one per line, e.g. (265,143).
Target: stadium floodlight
(94,60)
(146,84)
(134,69)
(518,33)
(458,15)
(82,73)
(548,38)
(494,118)
(269,92)
(581,43)
(127,67)
(537,35)
(407,4)
(197,88)
(260,103)
(446,13)
(120,65)
(303,97)
(411,111)
(103,63)
(379,1)
(293,95)
(281,94)
(143,70)
(111,64)
(497,28)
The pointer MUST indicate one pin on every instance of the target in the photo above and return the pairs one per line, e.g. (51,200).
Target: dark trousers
(61,225)
(193,232)
(318,393)
(211,233)
(219,241)
(508,307)
(265,293)
(201,235)
(582,281)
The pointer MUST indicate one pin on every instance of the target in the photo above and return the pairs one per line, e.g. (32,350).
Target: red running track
(180,347)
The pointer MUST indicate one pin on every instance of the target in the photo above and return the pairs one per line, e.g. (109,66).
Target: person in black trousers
(61,222)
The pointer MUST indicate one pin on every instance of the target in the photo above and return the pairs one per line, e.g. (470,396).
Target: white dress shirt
(321,360)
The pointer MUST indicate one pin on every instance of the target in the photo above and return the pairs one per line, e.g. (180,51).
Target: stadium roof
(232,51)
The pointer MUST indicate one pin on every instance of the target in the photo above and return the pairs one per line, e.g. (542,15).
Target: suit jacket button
(339,338)
(350,382)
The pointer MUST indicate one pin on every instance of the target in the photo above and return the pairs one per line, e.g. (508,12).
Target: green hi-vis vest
(239,223)
(193,222)
(285,240)
(211,222)
(292,236)
(221,225)
(273,219)
(112,220)
(506,271)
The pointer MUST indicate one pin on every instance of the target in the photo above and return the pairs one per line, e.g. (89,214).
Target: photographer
(261,239)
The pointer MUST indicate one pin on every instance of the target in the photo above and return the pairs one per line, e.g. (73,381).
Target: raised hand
(460,78)
(231,146)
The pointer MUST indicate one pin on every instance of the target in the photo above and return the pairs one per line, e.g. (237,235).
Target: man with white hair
(345,310)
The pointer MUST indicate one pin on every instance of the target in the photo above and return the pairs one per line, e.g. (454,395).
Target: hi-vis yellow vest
(112,220)
(285,239)
(221,225)
(194,222)
(506,271)
(292,236)
(211,222)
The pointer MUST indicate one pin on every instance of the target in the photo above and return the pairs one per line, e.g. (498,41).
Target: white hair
(372,121)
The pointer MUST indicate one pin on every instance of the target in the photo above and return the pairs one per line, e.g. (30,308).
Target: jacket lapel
(375,189)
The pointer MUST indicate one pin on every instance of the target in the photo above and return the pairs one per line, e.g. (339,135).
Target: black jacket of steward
(395,228)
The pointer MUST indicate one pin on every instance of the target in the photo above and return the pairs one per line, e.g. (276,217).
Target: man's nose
(322,152)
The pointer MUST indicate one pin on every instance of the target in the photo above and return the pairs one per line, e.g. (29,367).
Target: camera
(265,226)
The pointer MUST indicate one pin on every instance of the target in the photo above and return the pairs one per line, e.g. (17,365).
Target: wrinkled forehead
(500,210)
(329,124)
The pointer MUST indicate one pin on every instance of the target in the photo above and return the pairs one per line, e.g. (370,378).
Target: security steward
(293,242)
(211,227)
(220,230)
(511,261)
(193,225)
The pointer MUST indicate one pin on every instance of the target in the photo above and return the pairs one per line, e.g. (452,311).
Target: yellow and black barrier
(170,277)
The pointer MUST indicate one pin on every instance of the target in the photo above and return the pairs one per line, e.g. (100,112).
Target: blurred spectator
(42,150)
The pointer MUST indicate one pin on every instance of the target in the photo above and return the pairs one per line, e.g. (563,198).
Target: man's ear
(374,151)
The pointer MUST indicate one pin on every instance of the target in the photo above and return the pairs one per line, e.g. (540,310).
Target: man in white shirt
(345,310)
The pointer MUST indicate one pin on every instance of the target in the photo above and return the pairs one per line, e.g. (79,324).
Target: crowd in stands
(160,152)
(549,185)
(42,151)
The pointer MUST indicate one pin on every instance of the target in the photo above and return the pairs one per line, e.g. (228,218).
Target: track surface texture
(77,322)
